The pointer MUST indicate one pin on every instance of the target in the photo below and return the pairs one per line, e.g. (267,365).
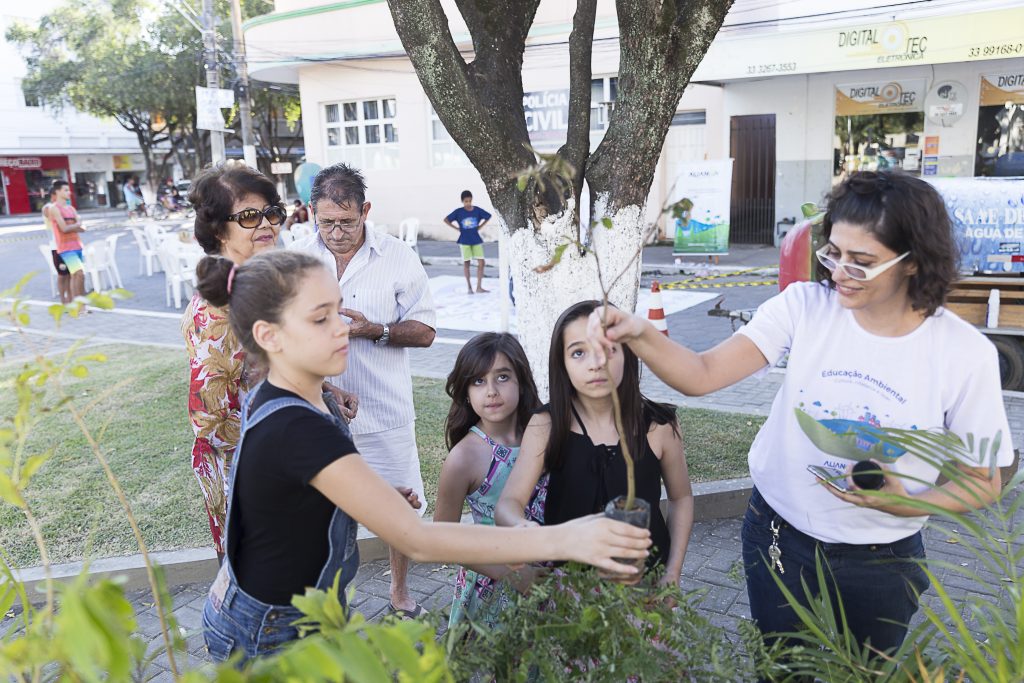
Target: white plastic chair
(408,232)
(156,234)
(96,256)
(147,252)
(47,252)
(112,268)
(300,230)
(177,272)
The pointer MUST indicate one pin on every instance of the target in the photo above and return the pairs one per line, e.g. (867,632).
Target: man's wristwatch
(385,336)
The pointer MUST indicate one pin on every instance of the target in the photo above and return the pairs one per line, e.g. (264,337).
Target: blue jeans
(233,620)
(878,584)
(246,624)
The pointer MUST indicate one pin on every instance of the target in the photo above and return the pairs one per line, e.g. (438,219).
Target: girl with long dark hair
(574,441)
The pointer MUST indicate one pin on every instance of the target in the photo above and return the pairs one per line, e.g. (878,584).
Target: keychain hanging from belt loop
(774,552)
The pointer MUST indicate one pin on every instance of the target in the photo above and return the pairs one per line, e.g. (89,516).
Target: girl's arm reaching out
(355,488)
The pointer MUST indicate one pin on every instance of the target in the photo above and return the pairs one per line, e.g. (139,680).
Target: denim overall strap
(343,556)
(233,620)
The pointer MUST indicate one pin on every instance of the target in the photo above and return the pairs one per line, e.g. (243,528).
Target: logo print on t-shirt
(848,439)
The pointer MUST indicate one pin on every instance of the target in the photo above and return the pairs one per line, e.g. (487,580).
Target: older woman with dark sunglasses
(238,214)
(870,345)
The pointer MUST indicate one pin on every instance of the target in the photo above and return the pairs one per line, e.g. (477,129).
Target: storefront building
(38,146)
(938,92)
(795,93)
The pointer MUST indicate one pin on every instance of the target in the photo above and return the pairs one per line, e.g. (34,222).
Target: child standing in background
(493,396)
(468,220)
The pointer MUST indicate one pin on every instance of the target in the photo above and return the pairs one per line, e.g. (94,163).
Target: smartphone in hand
(831,476)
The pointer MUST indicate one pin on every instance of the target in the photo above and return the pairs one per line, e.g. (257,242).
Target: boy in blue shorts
(468,220)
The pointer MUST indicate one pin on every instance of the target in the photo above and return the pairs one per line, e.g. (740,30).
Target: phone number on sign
(996,50)
(780,68)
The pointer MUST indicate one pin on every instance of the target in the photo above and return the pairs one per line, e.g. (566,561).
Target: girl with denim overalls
(299,488)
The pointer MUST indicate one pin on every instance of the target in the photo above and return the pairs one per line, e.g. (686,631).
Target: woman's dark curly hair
(905,214)
(214,193)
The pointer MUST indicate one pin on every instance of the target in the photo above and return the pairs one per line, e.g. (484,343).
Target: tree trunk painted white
(541,297)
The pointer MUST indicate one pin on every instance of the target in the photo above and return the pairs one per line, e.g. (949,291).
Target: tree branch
(668,39)
(577,142)
(508,21)
(480,104)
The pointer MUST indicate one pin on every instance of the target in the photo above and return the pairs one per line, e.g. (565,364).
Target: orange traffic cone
(656,312)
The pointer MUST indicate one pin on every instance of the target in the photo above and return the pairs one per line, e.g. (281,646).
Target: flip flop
(406,614)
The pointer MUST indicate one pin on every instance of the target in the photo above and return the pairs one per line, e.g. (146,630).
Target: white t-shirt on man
(943,374)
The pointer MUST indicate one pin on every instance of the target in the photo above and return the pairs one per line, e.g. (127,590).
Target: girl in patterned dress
(493,396)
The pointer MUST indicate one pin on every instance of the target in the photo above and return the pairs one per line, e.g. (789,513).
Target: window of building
(444,152)
(31,98)
(363,133)
(690,118)
(603,92)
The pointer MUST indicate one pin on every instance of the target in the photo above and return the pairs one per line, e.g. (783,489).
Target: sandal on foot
(414,613)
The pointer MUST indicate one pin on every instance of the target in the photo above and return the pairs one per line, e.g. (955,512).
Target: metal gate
(752,147)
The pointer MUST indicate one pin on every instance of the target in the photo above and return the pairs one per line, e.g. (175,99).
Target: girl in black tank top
(573,441)
(592,474)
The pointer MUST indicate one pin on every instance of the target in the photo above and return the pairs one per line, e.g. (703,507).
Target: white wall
(414,189)
(37,131)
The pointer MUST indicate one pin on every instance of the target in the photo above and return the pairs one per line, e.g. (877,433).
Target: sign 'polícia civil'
(547,117)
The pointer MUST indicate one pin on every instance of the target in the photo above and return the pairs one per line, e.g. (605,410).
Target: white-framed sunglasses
(859,273)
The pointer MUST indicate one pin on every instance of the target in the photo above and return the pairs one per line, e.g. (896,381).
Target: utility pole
(244,103)
(212,77)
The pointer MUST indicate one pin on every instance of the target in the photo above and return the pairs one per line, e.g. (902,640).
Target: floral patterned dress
(477,595)
(219,379)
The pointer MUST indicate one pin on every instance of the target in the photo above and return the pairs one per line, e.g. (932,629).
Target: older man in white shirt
(385,293)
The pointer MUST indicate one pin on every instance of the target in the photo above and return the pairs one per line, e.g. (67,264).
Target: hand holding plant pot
(639,515)
(624,508)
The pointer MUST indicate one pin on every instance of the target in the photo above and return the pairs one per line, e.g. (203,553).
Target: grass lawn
(148,442)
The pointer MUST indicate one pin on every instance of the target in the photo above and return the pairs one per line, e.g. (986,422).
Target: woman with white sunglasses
(870,345)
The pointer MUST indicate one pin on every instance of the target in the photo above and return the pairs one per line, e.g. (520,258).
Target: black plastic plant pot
(639,516)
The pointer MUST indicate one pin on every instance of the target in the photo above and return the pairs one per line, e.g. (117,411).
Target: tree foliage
(139,63)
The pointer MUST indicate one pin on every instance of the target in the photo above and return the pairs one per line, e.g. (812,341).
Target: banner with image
(998,89)
(704,230)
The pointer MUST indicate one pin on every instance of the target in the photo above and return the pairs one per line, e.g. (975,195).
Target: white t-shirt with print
(943,374)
